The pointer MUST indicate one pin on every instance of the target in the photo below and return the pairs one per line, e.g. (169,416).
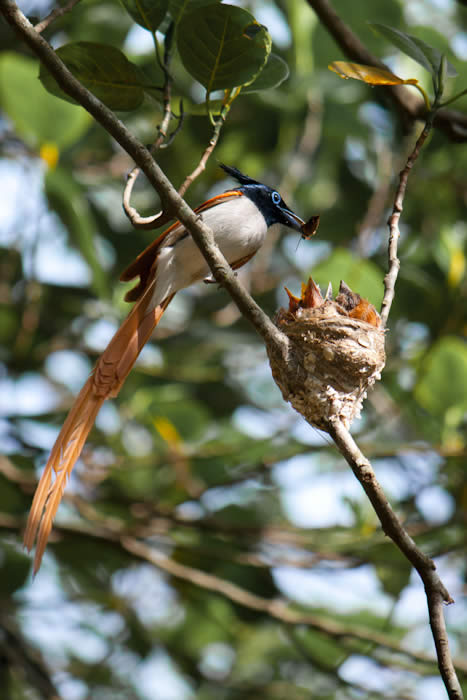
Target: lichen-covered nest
(337,354)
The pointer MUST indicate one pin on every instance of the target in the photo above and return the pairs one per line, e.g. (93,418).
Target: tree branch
(436,592)
(172,203)
(55,14)
(408,105)
(161,218)
(110,530)
(393,223)
(205,157)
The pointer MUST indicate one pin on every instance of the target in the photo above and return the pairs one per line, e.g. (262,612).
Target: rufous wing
(145,264)
(110,372)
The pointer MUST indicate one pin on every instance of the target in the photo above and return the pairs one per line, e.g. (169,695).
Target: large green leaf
(222,46)
(104,70)
(273,74)
(421,52)
(178,8)
(49,121)
(147,13)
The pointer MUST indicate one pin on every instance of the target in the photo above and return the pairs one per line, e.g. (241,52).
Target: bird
(356,306)
(239,219)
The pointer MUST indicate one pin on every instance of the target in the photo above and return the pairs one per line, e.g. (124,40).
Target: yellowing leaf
(368,74)
(456,268)
(50,153)
(167,430)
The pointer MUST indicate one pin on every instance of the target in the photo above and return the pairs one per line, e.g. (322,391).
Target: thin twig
(58,12)
(275,608)
(435,590)
(172,203)
(110,530)
(157,220)
(204,158)
(393,223)
(137,221)
(180,119)
(163,141)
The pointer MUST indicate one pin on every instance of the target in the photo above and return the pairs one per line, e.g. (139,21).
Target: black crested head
(268,200)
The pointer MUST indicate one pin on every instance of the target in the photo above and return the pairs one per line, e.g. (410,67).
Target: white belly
(239,229)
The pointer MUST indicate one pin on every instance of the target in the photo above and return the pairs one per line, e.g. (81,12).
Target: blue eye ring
(276,198)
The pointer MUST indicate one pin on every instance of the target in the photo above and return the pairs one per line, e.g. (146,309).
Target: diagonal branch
(172,203)
(55,14)
(408,105)
(435,590)
(109,529)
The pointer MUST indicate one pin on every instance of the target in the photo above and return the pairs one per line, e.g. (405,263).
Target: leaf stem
(452,99)
(426,99)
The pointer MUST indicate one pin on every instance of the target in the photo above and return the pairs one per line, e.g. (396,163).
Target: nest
(336,354)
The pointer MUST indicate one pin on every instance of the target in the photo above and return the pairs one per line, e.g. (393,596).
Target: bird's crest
(238,175)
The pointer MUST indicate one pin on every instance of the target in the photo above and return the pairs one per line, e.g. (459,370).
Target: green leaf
(178,8)
(435,57)
(50,121)
(424,54)
(222,46)
(362,276)
(273,74)
(441,389)
(147,13)
(104,70)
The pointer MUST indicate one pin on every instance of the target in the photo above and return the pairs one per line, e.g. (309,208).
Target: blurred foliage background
(199,459)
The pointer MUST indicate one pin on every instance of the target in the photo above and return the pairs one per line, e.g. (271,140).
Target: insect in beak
(308,229)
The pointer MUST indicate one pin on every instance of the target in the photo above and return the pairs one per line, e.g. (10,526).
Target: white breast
(239,229)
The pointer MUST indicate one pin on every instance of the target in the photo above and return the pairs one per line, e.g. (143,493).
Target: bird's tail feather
(110,372)
(62,459)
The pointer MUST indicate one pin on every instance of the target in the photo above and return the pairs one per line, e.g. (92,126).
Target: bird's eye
(276,198)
